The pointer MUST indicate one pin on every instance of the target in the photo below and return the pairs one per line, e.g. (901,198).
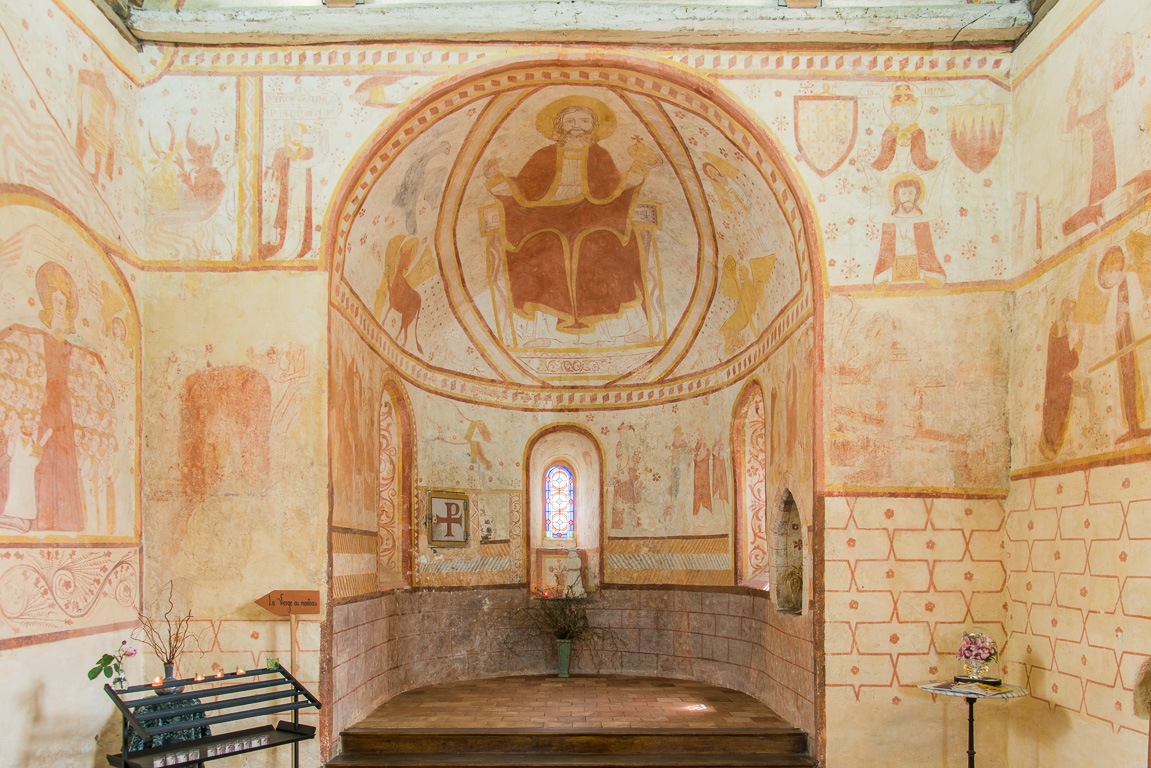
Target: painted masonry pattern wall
(905,579)
(1077,523)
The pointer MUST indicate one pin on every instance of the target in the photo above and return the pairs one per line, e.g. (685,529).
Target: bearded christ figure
(906,250)
(568,243)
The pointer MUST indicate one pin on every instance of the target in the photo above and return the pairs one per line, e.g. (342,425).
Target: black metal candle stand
(174,729)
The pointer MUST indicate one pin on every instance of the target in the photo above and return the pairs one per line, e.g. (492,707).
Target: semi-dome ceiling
(552,235)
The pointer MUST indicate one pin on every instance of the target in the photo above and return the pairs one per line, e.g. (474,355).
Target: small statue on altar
(574,586)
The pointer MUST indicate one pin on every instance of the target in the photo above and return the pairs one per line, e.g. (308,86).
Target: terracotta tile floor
(581,701)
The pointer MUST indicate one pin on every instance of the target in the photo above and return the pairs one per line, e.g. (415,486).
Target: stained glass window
(559,503)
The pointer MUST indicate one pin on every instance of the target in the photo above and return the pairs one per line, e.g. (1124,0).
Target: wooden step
(556,760)
(641,741)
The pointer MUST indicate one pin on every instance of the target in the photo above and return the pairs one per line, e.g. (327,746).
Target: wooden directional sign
(291,602)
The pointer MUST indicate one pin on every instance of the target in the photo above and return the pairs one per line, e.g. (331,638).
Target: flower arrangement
(978,648)
(165,630)
(112,664)
(560,615)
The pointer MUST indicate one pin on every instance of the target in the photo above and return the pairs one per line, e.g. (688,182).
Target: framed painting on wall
(448,518)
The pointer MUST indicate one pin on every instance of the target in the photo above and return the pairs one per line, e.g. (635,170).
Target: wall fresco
(70,356)
(1097,154)
(749,436)
(1080,388)
(240,443)
(907,176)
(1075,530)
(67,120)
(546,276)
(895,416)
(370,459)
(189,169)
(901,166)
(68,392)
(664,518)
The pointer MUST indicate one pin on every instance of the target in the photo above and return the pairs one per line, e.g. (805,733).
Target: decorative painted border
(429,58)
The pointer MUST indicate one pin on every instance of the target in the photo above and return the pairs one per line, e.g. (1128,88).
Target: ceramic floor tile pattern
(583,701)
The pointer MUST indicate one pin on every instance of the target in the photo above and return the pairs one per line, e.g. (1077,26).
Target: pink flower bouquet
(977,647)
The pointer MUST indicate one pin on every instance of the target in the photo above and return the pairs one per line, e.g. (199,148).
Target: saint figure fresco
(1109,298)
(906,250)
(1088,103)
(1112,277)
(65,412)
(1062,360)
(568,242)
(908,175)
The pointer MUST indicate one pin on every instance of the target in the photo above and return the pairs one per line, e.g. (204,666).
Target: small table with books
(972,692)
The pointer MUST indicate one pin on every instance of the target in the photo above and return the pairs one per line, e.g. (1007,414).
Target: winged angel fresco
(405,269)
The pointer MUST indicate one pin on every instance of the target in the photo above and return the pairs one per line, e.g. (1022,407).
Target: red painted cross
(453,517)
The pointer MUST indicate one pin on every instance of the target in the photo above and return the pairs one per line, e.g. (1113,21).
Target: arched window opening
(787,579)
(564,473)
(559,502)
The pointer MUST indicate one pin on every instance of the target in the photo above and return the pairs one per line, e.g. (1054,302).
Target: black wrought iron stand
(174,728)
(970,732)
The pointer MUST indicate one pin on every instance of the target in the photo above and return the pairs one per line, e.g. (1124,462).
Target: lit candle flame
(220,674)
(239,671)
(157,681)
(198,677)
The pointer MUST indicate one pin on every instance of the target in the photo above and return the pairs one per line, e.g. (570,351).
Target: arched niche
(787,568)
(749,451)
(574,448)
(394,550)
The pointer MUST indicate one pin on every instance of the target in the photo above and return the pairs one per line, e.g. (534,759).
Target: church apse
(593,236)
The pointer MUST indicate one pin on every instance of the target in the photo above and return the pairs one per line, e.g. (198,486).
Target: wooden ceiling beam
(590,21)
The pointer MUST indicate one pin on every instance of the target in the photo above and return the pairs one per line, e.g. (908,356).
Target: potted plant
(561,616)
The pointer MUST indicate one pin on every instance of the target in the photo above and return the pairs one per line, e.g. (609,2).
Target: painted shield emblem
(825,130)
(975,131)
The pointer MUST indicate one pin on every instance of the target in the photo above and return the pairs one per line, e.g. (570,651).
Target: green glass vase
(564,652)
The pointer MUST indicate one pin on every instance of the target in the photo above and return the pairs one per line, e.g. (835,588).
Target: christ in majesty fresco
(568,242)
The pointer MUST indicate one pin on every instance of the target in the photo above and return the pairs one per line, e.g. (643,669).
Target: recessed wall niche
(787,561)
(572,449)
